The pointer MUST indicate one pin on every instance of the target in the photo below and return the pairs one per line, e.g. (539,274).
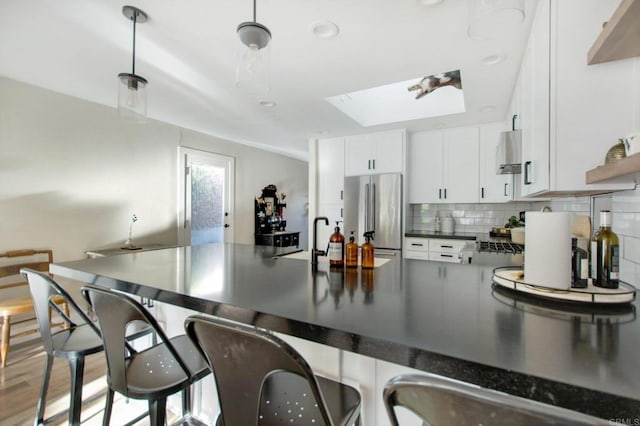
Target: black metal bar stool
(262,380)
(151,374)
(442,401)
(72,343)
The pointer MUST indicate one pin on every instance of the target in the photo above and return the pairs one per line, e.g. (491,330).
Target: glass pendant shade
(254,57)
(132,88)
(132,97)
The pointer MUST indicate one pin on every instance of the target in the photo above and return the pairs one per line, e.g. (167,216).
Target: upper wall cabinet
(375,153)
(570,113)
(443,166)
(494,188)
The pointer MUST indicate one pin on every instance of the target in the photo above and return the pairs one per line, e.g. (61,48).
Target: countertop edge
(592,402)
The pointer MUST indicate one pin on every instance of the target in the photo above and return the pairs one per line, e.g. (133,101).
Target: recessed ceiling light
(324,29)
(268,104)
(429,2)
(487,108)
(493,59)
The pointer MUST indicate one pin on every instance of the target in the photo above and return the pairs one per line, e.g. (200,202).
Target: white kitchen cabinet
(330,186)
(375,153)
(570,113)
(494,188)
(435,249)
(443,166)
(330,170)
(416,248)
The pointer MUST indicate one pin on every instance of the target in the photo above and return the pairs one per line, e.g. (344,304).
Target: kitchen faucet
(315,252)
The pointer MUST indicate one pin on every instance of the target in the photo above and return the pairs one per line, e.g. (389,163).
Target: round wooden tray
(511,278)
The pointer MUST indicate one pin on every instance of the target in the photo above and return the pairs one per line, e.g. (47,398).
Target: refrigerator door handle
(373,207)
(367,200)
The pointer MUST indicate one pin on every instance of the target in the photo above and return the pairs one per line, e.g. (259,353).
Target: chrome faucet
(315,252)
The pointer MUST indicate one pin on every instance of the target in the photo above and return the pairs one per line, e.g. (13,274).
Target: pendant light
(253,66)
(132,93)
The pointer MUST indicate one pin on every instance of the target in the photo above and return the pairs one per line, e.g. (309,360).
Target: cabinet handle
(341,212)
(342,194)
(446,255)
(527,167)
(439,193)
(417,244)
(505,189)
(482,192)
(445,193)
(374,164)
(445,246)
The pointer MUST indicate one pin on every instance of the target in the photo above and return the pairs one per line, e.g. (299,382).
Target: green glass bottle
(608,253)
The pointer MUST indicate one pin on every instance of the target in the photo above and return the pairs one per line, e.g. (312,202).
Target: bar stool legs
(76,368)
(43,391)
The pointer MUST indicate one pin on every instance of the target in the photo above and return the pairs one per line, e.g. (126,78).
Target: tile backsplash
(626,223)
(480,218)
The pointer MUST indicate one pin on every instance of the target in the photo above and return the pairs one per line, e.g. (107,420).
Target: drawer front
(416,244)
(446,246)
(413,254)
(445,257)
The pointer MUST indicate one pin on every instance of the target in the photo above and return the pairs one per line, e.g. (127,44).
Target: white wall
(71,176)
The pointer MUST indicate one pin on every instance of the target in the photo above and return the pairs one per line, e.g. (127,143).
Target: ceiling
(187,50)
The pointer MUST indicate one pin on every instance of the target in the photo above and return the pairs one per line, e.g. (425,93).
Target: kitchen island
(442,318)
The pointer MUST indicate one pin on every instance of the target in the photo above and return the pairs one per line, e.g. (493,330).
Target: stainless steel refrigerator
(374,203)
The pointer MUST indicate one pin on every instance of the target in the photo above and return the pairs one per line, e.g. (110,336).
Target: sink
(306,255)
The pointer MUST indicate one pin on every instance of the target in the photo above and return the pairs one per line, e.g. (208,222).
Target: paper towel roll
(547,249)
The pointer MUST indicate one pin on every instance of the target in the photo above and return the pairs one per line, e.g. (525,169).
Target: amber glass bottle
(336,248)
(367,251)
(351,260)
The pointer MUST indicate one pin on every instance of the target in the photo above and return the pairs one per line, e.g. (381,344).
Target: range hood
(509,152)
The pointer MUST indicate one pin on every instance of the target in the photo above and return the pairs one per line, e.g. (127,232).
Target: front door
(206,197)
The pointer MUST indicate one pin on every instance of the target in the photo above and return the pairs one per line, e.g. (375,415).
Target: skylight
(396,102)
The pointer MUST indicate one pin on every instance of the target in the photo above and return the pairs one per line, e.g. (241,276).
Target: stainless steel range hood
(509,152)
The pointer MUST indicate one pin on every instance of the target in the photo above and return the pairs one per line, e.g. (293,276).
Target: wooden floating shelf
(620,37)
(627,168)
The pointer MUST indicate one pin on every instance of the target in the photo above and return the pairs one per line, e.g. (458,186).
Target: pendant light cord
(254,11)
(133,61)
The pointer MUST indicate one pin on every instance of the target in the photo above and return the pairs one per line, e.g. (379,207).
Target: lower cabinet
(436,249)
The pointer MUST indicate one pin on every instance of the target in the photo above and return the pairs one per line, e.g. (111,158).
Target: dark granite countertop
(443,318)
(434,234)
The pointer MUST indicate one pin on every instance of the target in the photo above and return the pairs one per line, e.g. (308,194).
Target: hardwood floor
(20,384)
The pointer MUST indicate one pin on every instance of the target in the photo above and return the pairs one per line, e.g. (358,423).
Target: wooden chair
(17,309)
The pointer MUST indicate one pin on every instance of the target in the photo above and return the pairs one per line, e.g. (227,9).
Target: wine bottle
(336,248)
(607,253)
